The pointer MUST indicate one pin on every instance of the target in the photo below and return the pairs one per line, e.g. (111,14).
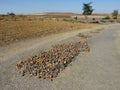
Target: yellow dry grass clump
(14,30)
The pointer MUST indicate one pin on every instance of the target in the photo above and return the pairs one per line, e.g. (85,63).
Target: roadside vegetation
(87,9)
(115,14)
(18,27)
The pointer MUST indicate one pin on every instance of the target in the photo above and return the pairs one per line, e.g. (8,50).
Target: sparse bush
(76,18)
(114,17)
(111,21)
(102,21)
(115,14)
(106,18)
(93,19)
(11,14)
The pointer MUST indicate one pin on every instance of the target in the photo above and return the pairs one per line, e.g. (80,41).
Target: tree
(115,14)
(87,9)
(11,14)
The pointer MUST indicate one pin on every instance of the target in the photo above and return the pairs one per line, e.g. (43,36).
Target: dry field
(12,30)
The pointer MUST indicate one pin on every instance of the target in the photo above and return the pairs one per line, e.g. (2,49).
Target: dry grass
(15,30)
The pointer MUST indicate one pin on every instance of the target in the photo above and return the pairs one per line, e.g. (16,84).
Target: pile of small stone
(48,64)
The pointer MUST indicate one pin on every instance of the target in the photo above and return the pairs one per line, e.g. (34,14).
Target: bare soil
(97,70)
(25,28)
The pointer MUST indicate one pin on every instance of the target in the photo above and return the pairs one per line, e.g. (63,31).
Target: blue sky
(39,6)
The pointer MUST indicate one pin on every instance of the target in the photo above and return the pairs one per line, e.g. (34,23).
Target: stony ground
(97,70)
(48,64)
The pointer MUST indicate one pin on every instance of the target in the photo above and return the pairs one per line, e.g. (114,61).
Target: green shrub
(107,18)
(102,21)
(11,14)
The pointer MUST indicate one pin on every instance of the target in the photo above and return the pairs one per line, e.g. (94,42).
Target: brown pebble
(48,64)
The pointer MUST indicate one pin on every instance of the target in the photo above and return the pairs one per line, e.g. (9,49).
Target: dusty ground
(20,29)
(97,70)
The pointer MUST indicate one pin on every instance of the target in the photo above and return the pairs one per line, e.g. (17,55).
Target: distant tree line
(88,10)
(11,13)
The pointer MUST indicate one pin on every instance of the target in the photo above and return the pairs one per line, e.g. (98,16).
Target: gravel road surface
(97,70)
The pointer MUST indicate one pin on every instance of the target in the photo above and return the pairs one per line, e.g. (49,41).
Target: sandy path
(97,70)
(29,47)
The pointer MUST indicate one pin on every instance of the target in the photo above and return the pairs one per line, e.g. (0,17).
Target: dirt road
(97,70)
